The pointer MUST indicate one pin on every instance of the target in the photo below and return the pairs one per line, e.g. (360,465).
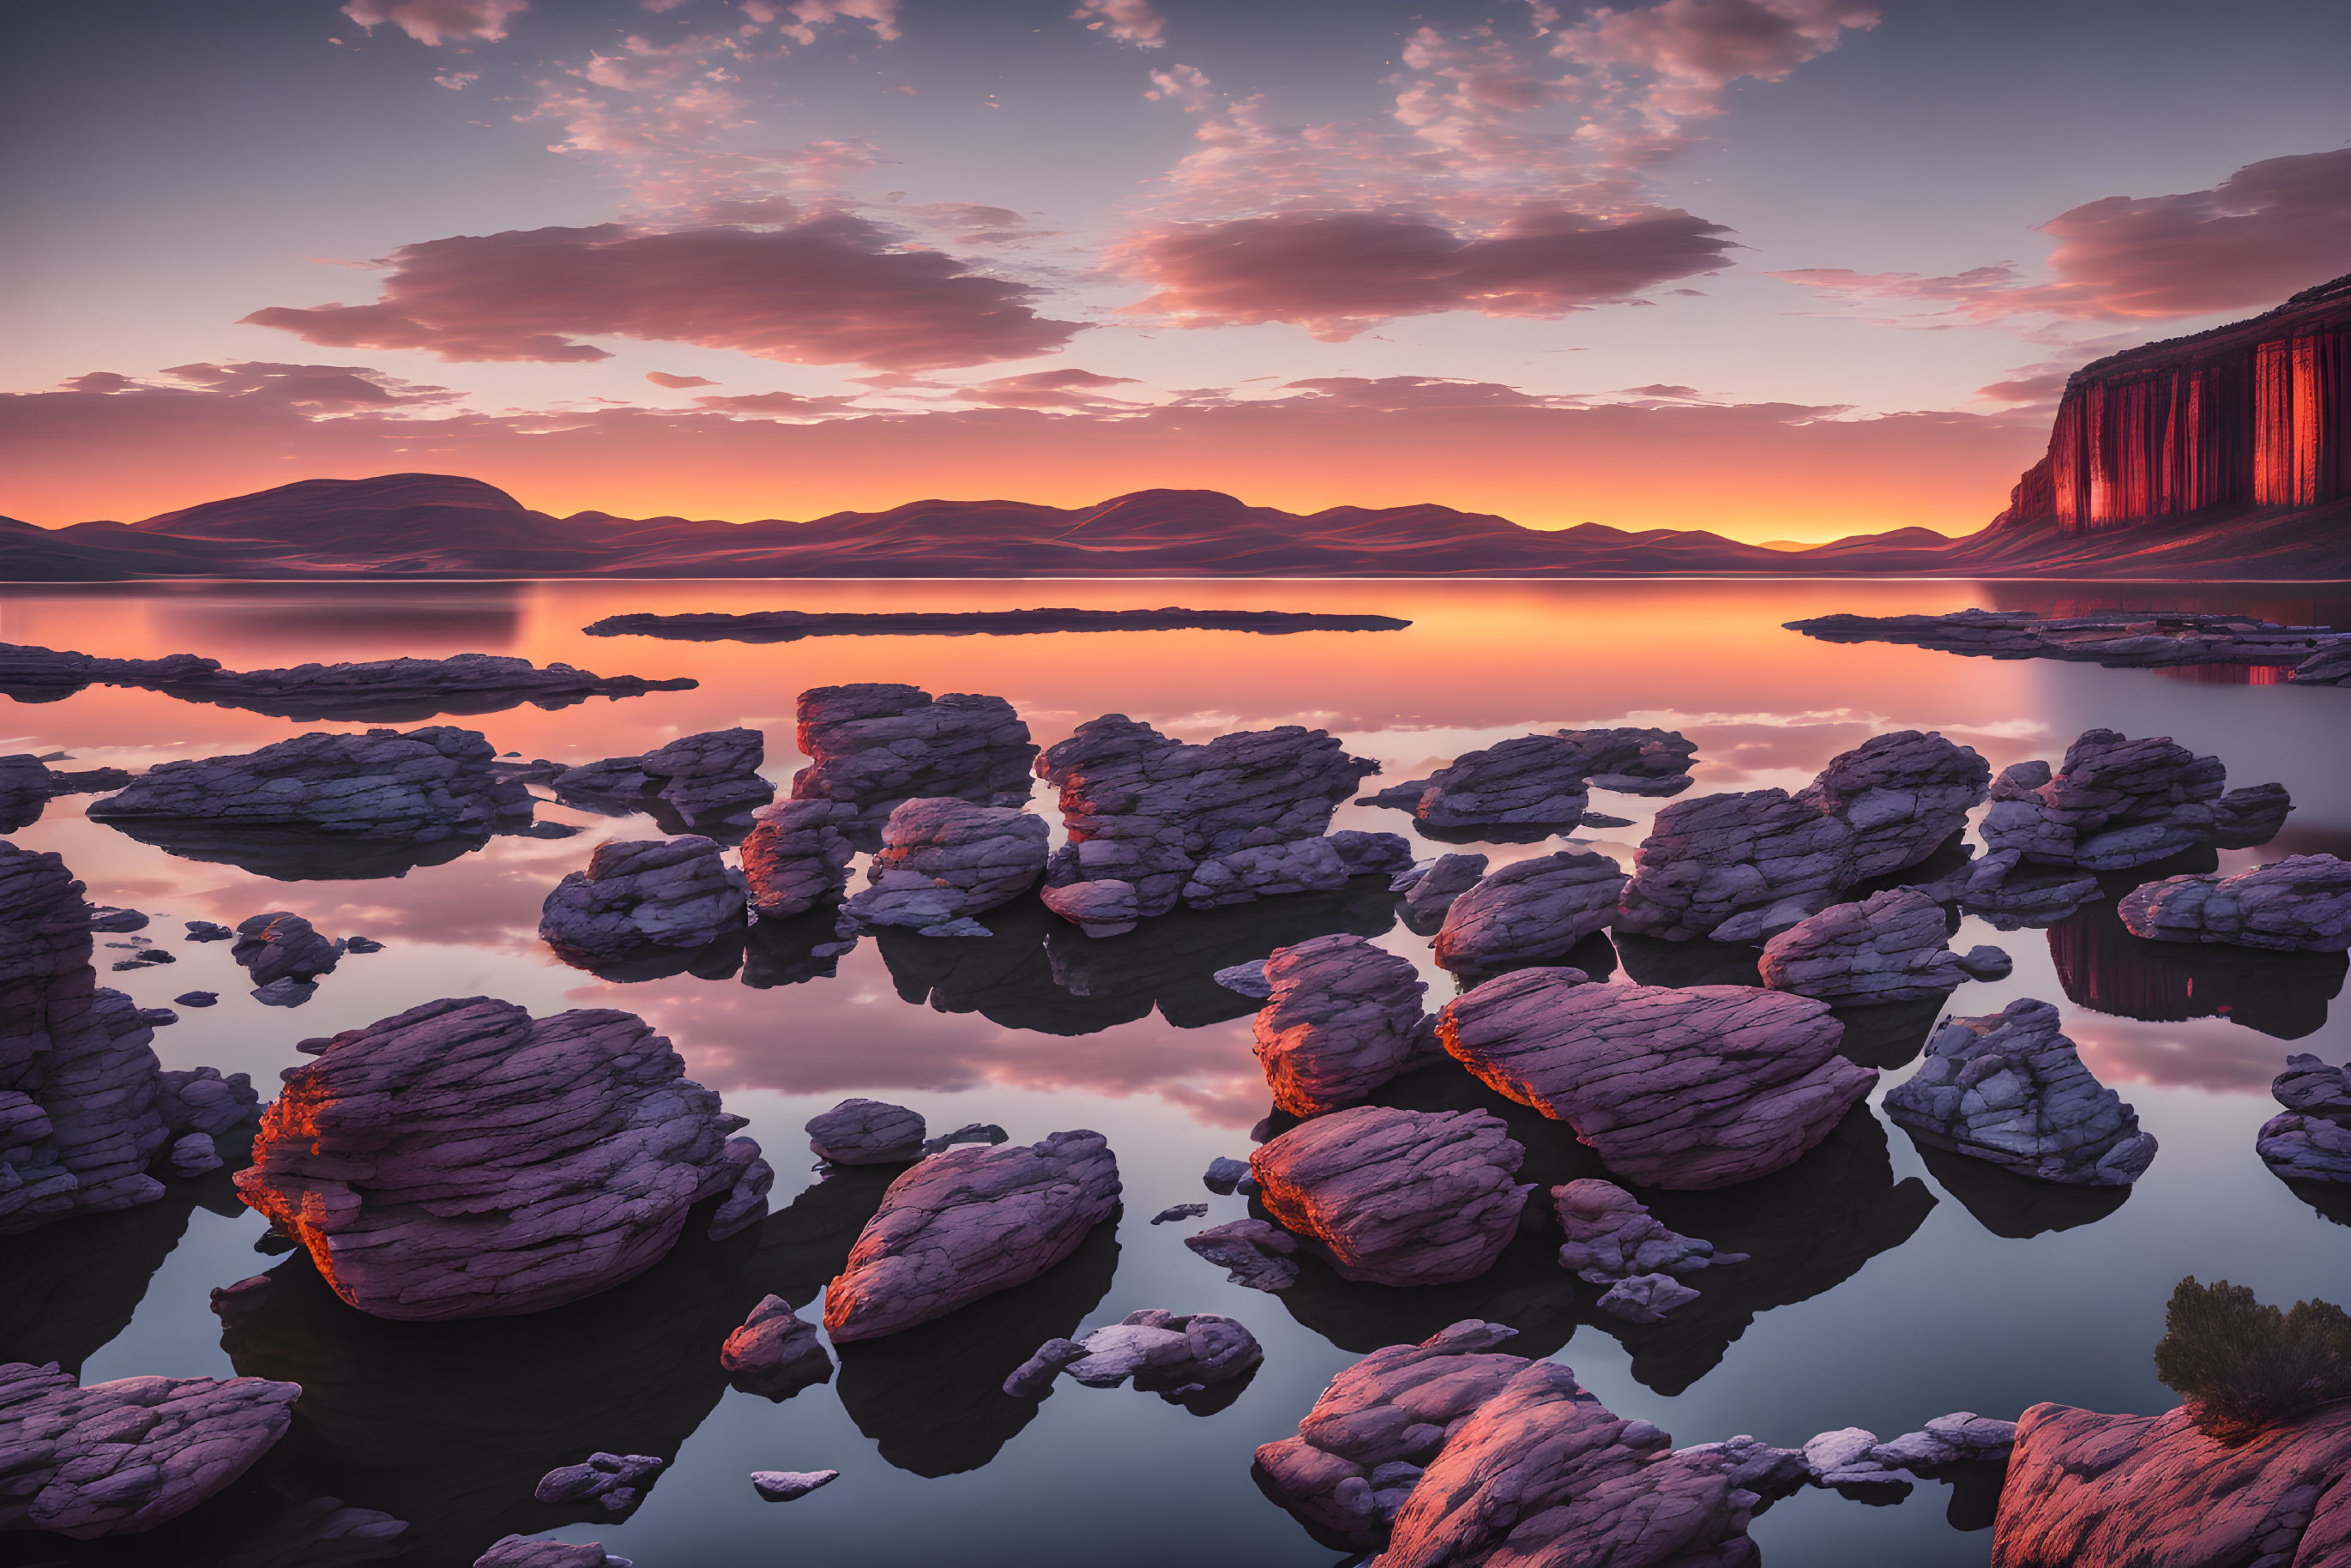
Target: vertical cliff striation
(2254,414)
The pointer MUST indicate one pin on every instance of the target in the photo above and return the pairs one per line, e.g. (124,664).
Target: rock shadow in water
(2014,1205)
(1891,1034)
(782,952)
(285,854)
(2102,966)
(1595,955)
(1653,961)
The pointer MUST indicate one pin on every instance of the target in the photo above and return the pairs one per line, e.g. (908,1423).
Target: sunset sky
(1781,268)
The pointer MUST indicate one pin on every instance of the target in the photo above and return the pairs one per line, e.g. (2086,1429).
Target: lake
(1879,1295)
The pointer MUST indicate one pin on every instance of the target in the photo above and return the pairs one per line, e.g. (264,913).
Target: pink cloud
(776,404)
(436,22)
(807,16)
(1186,85)
(831,289)
(1068,389)
(974,223)
(663,379)
(1128,21)
(316,389)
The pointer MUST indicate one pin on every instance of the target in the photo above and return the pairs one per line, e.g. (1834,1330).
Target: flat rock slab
(1397,1198)
(791,625)
(2120,638)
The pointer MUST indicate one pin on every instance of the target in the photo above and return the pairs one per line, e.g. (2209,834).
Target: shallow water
(1878,1297)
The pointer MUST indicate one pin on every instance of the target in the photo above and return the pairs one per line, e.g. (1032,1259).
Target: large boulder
(967,1223)
(944,860)
(1889,947)
(118,1458)
(465,1160)
(795,858)
(2087,1490)
(2114,803)
(640,893)
(1430,888)
(707,783)
(1529,912)
(2309,1140)
(2008,1087)
(1744,867)
(2299,904)
(1686,1088)
(1343,1018)
(866,1132)
(1541,780)
(874,745)
(1396,1197)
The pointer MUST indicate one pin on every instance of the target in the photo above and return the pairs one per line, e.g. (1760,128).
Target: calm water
(1878,1297)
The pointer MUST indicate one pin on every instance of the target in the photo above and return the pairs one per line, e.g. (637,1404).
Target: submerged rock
(944,861)
(1343,1018)
(2299,904)
(1529,912)
(1687,1088)
(1889,947)
(1611,1236)
(794,858)
(2309,1140)
(2008,1087)
(865,1133)
(776,1354)
(640,893)
(1397,1198)
(1253,1253)
(874,745)
(966,1223)
(464,1160)
(2114,803)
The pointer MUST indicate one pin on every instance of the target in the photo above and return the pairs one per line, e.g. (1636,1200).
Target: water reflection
(2103,966)
(438,618)
(2014,1205)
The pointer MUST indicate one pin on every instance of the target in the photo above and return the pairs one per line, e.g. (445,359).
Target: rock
(1344,1016)
(115,1459)
(709,783)
(1539,779)
(2299,904)
(361,945)
(1397,1198)
(1529,912)
(208,931)
(1165,1354)
(112,920)
(791,625)
(2085,1489)
(464,1160)
(1886,948)
(2115,638)
(1172,821)
(966,1223)
(1254,1253)
(278,944)
(969,1133)
(1225,1174)
(1034,1376)
(2327,667)
(874,745)
(1843,1458)
(27,783)
(639,892)
(523,1551)
(1687,1088)
(2247,817)
(199,1099)
(943,860)
(157,1018)
(2008,1087)
(285,992)
(1612,1237)
(1646,1297)
(1105,907)
(1175,1211)
(776,1352)
(2115,803)
(1963,1438)
(1245,979)
(785,1486)
(1744,867)
(2002,890)
(2309,1140)
(794,858)
(866,1132)
(1371,854)
(1430,887)
(194,1155)
(197,998)
(613,1480)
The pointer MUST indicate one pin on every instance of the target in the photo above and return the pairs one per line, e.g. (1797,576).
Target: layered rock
(2330,667)
(1542,780)
(1253,1253)
(776,1354)
(2114,803)
(612,1481)
(1889,947)
(944,860)
(1166,1354)
(464,1160)
(1744,867)
(2010,896)
(1529,912)
(2299,904)
(118,1458)
(1343,1018)
(2010,1089)
(794,858)
(1396,1197)
(866,1132)
(280,945)
(1684,1088)
(523,1551)
(642,893)
(1430,888)
(2309,1140)
(1152,821)
(27,784)
(874,745)
(967,1223)
(710,783)
(1610,1236)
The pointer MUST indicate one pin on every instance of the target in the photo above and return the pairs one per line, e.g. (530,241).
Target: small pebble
(783,1486)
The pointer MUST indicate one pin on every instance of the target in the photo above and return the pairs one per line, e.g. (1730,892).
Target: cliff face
(2254,414)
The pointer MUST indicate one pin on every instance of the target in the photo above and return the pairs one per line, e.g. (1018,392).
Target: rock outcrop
(944,860)
(1612,1237)
(1687,1088)
(2309,1140)
(1541,780)
(1430,888)
(776,1354)
(2299,904)
(1253,1253)
(1343,1018)
(791,1486)
(1529,912)
(116,1458)
(2115,638)
(791,625)
(612,1481)
(27,784)
(2115,803)
(874,745)
(281,946)
(1396,1197)
(1889,947)
(1166,1354)
(524,1552)
(794,858)
(1744,867)
(465,1160)
(966,1223)
(866,1132)
(707,783)
(2008,1087)
(644,893)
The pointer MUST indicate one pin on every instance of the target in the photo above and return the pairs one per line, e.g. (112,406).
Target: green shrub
(2242,1366)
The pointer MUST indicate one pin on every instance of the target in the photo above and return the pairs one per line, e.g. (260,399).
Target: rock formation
(776,1354)
(2115,803)
(2010,896)
(2103,964)
(463,1160)
(866,1132)
(944,860)
(1254,1254)
(522,1551)
(2330,668)
(794,858)
(27,784)
(1396,1197)
(791,625)
(874,745)
(2299,904)
(1343,1018)
(115,1459)
(2115,638)
(1611,1236)
(280,945)
(1688,1089)
(791,1486)
(1430,888)
(1744,867)
(965,1224)
(612,1481)
(1529,912)
(2008,1087)
(708,783)
(642,893)
(1540,780)
(1165,1354)
(1886,948)
(2309,1140)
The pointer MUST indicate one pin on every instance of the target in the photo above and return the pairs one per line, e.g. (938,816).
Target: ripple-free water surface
(1877,1298)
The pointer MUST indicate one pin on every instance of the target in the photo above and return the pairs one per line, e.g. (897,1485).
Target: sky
(1786,269)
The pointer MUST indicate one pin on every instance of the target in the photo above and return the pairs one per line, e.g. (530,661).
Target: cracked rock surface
(463,1159)
(865,1133)
(2299,904)
(2008,1087)
(2114,803)
(1611,1236)
(874,745)
(967,1223)
(638,893)
(1889,947)
(2309,1140)
(1165,1353)
(1686,1088)
(1529,912)
(1343,1018)
(1253,1253)
(794,858)
(1431,886)
(944,860)
(1394,1197)
(1543,779)
(279,945)
(776,1354)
